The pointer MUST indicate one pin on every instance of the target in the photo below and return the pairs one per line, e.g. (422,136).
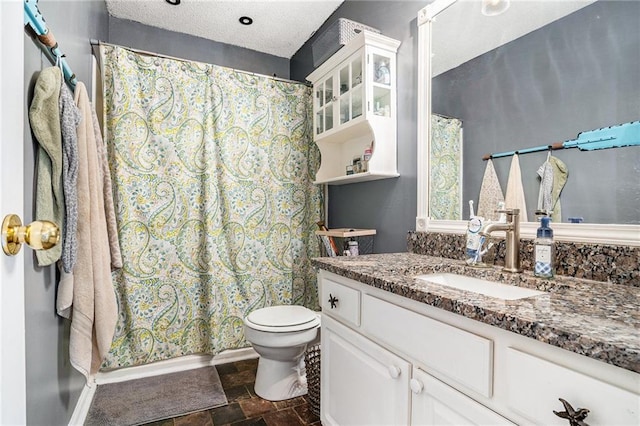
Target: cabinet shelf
(355,178)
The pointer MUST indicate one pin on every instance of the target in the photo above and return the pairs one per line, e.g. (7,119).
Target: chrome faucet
(512,230)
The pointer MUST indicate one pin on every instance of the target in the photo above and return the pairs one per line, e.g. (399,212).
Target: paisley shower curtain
(445,163)
(216,208)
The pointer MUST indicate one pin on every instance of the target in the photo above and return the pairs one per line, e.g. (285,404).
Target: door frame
(12,308)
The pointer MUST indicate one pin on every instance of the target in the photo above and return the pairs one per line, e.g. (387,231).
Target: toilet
(280,335)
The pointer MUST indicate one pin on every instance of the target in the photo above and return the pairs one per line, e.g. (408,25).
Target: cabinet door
(382,83)
(435,403)
(324,99)
(535,386)
(362,383)
(351,89)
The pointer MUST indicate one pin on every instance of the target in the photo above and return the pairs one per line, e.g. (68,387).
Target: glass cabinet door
(328,104)
(344,86)
(319,107)
(357,99)
(382,79)
(351,90)
(324,106)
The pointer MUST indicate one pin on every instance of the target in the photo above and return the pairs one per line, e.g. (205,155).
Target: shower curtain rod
(446,116)
(95,42)
(34,19)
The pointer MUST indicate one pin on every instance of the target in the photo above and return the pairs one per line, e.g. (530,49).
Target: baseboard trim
(174,365)
(82,406)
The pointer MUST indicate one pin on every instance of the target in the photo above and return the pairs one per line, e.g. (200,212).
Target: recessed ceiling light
(245,20)
(173,2)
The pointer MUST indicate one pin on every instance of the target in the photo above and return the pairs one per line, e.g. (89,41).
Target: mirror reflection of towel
(545,172)
(514,198)
(490,193)
(560,176)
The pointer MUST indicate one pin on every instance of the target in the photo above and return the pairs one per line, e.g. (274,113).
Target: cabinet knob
(394,371)
(416,386)
(334,99)
(333,301)
(575,417)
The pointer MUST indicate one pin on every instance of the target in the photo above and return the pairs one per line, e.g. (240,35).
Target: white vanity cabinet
(364,384)
(435,403)
(389,360)
(354,108)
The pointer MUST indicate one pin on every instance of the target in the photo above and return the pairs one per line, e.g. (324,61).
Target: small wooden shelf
(347,232)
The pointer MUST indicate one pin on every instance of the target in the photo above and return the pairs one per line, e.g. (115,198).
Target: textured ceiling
(279,27)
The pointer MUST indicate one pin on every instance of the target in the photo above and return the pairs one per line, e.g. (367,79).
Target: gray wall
(139,36)
(387,205)
(579,73)
(53,386)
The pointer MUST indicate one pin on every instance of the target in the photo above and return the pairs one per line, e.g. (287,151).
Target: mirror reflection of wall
(575,74)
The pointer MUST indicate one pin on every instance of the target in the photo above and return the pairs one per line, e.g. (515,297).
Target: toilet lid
(282,316)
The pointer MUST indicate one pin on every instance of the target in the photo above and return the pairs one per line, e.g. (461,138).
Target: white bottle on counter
(544,250)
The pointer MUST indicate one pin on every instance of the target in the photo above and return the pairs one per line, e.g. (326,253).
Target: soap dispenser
(544,250)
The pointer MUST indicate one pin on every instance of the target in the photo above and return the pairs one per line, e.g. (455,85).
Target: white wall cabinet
(354,109)
(388,360)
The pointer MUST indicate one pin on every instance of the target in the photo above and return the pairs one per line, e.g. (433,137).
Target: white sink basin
(485,287)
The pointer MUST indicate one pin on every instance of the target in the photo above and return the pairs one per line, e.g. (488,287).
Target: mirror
(564,68)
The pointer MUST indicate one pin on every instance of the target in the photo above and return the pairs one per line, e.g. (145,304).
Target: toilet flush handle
(333,301)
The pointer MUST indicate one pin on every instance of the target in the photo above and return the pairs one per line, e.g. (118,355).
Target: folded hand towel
(490,193)
(546,186)
(44,116)
(514,198)
(560,176)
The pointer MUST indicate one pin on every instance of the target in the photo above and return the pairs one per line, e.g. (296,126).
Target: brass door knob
(39,235)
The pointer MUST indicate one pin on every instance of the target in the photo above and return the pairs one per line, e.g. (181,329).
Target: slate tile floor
(245,408)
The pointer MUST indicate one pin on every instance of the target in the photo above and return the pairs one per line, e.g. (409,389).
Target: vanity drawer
(340,301)
(535,384)
(456,355)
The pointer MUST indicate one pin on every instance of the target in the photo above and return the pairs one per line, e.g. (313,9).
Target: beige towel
(490,193)
(514,198)
(560,176)
(94,307)
(44,116)
(110,211)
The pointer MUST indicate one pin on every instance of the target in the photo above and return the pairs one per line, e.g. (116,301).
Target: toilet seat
(282,319)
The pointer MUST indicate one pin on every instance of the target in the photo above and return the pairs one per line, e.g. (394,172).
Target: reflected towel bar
(626,134)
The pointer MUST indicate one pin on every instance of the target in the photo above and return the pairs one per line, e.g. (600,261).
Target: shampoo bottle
(544,250)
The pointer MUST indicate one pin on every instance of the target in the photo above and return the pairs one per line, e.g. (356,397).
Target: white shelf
(355,178)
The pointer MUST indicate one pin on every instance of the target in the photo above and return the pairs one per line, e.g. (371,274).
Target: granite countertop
(591,318)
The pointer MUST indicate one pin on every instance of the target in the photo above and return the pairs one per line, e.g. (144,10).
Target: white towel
(514,198)
(490,193)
